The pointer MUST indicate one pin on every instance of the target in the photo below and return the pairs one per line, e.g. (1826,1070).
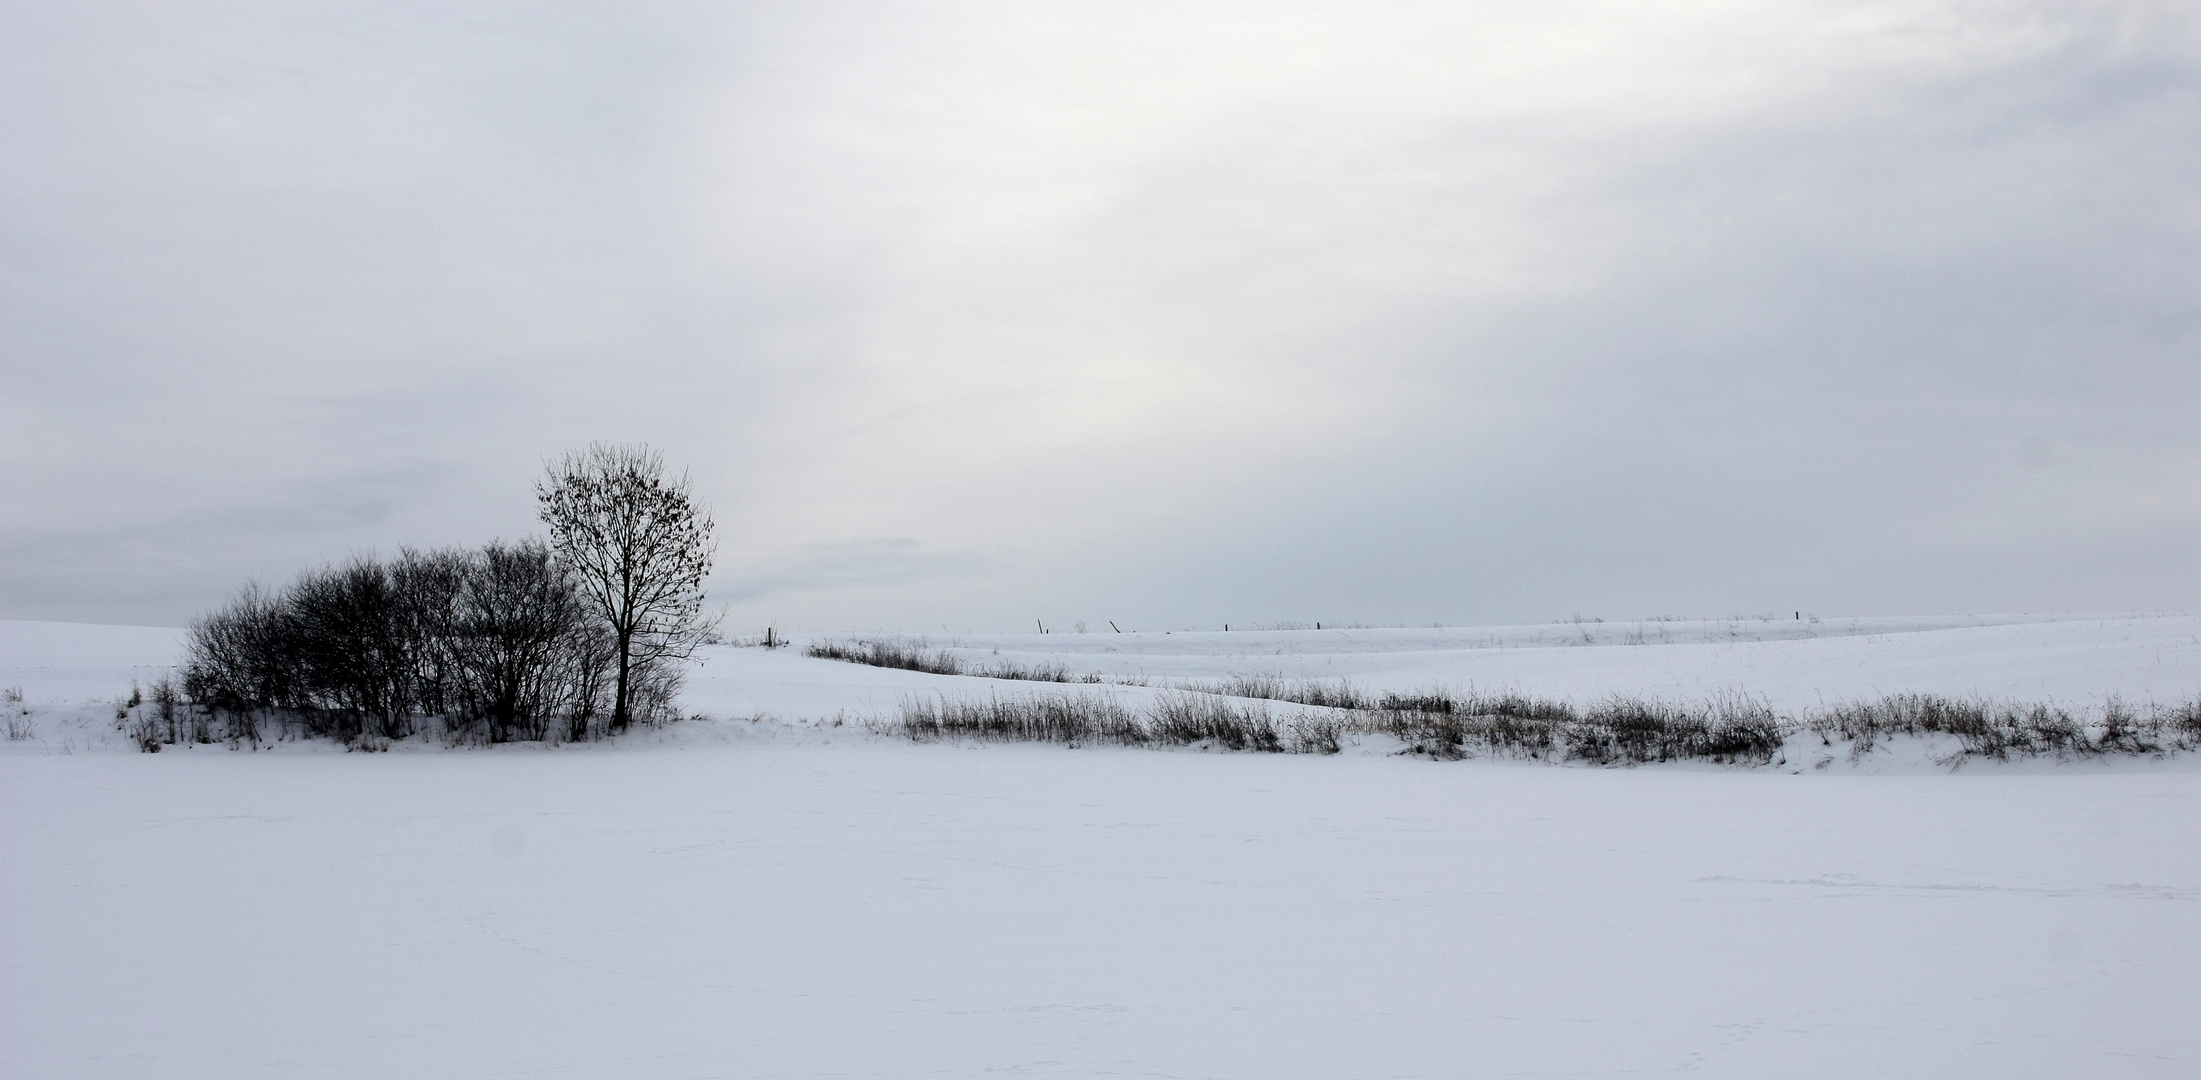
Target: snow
(771,895)
(71,662)
(1794,664)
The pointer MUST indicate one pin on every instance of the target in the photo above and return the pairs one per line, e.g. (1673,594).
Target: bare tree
(639,548)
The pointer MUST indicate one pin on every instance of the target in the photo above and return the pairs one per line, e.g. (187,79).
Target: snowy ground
(765,898)
(1793,664)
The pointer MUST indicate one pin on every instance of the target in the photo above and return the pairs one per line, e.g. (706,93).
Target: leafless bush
(165,701)
(240,658)
(520,646)
(499,644)
(654,693)
(144,731)
(18,714)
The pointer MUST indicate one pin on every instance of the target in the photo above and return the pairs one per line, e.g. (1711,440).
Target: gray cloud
(1179,314)
(854,564)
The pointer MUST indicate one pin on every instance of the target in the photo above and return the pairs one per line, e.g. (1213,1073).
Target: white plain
(773,899)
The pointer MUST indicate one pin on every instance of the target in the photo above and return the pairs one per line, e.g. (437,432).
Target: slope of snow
(2077,661)
(1794,664)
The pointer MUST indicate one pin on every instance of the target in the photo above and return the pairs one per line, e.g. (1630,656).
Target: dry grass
(1732,729)
(1173,719)
(2002,730)
(913,656)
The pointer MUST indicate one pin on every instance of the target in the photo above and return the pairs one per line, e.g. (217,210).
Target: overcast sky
(1172,314)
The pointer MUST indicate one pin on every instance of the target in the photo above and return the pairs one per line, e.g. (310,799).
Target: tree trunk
(619,715)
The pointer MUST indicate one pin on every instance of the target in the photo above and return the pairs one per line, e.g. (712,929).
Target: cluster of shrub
(491,645)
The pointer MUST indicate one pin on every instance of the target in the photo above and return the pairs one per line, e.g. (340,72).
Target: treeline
(492,645)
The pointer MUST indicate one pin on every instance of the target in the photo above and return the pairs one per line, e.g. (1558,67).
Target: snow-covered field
(2074,660)
(748,897)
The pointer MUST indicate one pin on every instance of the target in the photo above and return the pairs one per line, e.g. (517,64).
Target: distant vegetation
(1613,731)
(2001,730)
(903,656)
(1450,725)
(569,640)
(492,645)
(1175,719)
